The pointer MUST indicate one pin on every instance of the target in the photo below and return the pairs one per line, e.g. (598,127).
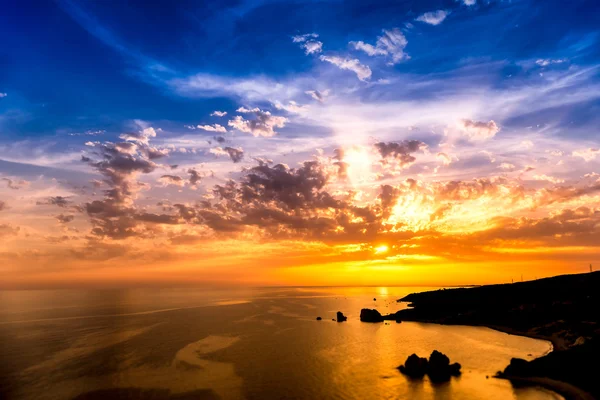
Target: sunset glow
(318,150)
(381,249)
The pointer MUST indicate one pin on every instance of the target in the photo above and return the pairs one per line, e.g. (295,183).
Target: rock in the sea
(319,318)
(455,369)
(438,367)
(398,321)
(341,317)
(368,315)
(374,299)
(414,366)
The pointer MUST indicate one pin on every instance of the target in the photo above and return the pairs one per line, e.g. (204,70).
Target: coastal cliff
(562,309)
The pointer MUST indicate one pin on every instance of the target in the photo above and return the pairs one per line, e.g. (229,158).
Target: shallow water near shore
(239,344)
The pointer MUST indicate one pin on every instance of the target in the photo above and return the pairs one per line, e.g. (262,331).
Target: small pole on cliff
(591,270)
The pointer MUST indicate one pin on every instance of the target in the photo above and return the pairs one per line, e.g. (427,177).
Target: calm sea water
(238,344)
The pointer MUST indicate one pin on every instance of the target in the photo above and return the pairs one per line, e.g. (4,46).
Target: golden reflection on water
(255,345)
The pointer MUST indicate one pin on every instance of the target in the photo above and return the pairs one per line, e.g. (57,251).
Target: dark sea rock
(455,369)
(374,299)
(438,367)
(414,366)
(319,318)
(369,315)
(341,317)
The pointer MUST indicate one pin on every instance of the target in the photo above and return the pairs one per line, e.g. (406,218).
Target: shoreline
(567,390)
(557,344)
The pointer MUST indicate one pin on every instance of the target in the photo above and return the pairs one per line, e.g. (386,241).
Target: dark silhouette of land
(564,310)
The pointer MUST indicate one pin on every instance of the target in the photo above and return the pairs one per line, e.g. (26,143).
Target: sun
(381,249)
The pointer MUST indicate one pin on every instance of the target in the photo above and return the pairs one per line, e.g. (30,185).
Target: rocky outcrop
(438,367)
(517,367)
(414,366)
(319,318)
(341,317)
(369,315)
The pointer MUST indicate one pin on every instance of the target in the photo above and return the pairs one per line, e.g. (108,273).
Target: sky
(278,142)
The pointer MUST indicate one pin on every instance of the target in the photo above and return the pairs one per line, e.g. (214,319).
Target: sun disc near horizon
(381,249)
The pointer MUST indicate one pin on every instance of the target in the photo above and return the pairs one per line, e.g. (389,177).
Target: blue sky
(71,65)
(470,91)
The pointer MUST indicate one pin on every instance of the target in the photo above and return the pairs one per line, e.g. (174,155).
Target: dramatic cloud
(172,180)
(401,152)
(433,17)
(320,96)
(15,184)
(141,137)
(391,43)
(587,154)
(331,173)
(212,128)
(65,219)
(116,216)
(59,201)
(195,178)
(263,124)
(363,72)
(476,130)
(309,43)
(236,154)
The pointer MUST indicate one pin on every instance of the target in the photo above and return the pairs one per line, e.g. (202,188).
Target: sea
(233,344)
